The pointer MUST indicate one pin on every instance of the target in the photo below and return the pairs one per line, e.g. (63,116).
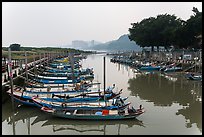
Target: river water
(173,106)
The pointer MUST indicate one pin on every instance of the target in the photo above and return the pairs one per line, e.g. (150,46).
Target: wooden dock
(17,72)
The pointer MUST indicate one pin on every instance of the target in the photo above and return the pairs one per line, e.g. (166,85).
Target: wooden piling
(72,68)
(26,67)
(10,75)
(104,78)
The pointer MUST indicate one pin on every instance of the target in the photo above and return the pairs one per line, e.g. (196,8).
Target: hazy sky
(59,23)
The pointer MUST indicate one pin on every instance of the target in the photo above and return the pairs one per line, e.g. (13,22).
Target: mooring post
(200,69)
(10,75)
(26,67)
(40,61)
(104,77)
(44,59)
(47,57)
(35,70)
(72,68)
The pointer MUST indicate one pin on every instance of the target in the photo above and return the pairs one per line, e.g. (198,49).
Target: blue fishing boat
(64,65)
(65,74)
(83,84)
(170,68)
(57,70)
(173,69)
(95,114)
(56,77)
(77,71)
(113,104)
(58,81)
(192,76)
(150,68)
(25,96)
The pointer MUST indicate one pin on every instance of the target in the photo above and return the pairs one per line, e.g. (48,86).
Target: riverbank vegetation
(19,52)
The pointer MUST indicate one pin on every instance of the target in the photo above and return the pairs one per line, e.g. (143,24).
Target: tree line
(17,47)
(167,31)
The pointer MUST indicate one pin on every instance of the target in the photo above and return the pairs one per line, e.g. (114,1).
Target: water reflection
(32,116)
(59,124)
(9,115)
(21,113)
(164,91)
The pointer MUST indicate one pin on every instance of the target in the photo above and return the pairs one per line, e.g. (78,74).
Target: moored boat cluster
(64,89)
(164,67)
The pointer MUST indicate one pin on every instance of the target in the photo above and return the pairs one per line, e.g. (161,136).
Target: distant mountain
(121,44)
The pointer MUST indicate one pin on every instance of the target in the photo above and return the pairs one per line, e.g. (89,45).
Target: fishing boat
(39,85)
(62,74)
(83,97)
(150,68)
(66,60)
(66,74)
(192,76)
(55,77)
(81,87)
(59,81)
(173,69)
(170,68)
(113,104)
(95,114)
(27,99)
(64,65)
(25,96)
(57,70)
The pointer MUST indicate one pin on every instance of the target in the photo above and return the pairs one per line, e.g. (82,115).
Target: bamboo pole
(10,75)
(104,78)
(48,57)
(200,61)
(72,68)
(34,64)
(11,84)
(40,62)
(44,59)
(26,67)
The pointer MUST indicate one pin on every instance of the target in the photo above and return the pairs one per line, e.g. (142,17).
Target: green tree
(187,35)
(155,31)
(15,47)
